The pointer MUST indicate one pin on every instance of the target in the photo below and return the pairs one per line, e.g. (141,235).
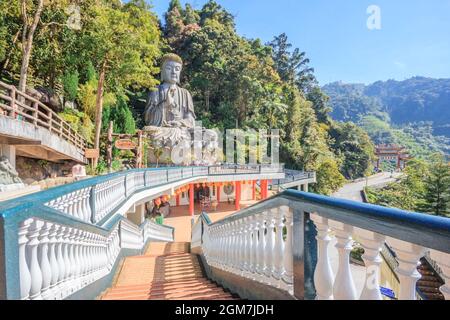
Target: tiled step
(166,271)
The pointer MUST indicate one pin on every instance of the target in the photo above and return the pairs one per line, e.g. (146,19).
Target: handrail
(16,103)
(87,191)
(72,254)
(244,244)
(402,224)
(81,221)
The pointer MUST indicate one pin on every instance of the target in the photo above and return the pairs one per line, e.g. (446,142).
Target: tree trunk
(27,45)
(99,110)
(8,57)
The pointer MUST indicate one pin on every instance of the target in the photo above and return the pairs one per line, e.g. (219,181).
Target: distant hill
(414,111)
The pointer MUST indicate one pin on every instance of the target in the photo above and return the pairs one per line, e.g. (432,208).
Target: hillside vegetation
(414,112)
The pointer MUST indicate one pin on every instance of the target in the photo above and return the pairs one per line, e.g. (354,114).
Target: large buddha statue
(170,105)
(170,118)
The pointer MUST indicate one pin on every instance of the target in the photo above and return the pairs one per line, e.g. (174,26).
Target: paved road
(352,191)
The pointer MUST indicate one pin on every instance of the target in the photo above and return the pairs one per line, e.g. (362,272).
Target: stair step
(180,293)
(163,288)
(165,271)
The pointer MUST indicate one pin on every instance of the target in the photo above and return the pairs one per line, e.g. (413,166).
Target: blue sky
(414,39)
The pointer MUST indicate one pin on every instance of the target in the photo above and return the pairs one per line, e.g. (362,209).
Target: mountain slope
(414,112)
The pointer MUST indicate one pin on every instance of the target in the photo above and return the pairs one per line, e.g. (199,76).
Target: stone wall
(32,171)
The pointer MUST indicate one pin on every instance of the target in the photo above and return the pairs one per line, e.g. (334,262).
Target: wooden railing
(18,105)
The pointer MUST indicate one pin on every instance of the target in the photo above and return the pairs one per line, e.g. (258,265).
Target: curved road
(352,190)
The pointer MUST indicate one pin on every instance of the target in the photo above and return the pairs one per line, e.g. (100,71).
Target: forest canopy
(98,62)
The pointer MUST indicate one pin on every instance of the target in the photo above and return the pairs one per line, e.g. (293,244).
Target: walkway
(181,220)
(352,190)
(167,271)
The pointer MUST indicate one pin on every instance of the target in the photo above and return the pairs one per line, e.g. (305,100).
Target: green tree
(354,147)
(329,179)
(70,83)
(437,188)
(122,42)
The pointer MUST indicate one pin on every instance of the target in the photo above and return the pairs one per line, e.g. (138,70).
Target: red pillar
(218,194)
(177,198)
(238,196)
(254,189)
(191,199)
(263,189)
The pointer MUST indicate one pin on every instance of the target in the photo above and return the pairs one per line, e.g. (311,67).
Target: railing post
(13,101)
(298,251)
(408,256)
(323,274)
(35,113)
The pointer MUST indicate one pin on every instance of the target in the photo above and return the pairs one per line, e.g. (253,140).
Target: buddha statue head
(171,68)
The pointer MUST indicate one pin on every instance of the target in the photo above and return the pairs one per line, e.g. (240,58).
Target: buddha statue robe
(170,106)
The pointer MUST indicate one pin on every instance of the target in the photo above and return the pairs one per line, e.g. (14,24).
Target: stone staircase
(429,283)
(167,271)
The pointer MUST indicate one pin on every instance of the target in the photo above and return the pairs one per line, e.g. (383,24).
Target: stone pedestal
(183,146)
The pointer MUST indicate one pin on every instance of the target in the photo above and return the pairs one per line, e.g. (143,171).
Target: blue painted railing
(240,243)
(76,227)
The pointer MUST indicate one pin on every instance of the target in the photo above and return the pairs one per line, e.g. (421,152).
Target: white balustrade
(55,261)
(253,247)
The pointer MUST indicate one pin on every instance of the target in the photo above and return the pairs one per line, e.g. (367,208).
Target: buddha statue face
(171,71)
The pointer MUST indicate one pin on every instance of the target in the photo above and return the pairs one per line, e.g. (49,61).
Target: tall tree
(28,29)
(437,188)
(123,41)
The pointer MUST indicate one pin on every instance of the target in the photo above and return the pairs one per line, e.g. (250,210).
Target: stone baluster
(52,243)
(61,262)
(408,256)
(245,246)
(279,246)
(372,243)
(87,207)
(344,287)
(270,245)
(261,245)
(241,246)
(67,262)
(35,269)
(77,259)
(238,249)
(323,274)
(253,243)
(288,249)
(24,270)
(443,261)
(231,237)
(84,258)
(44,262)
(78,204)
